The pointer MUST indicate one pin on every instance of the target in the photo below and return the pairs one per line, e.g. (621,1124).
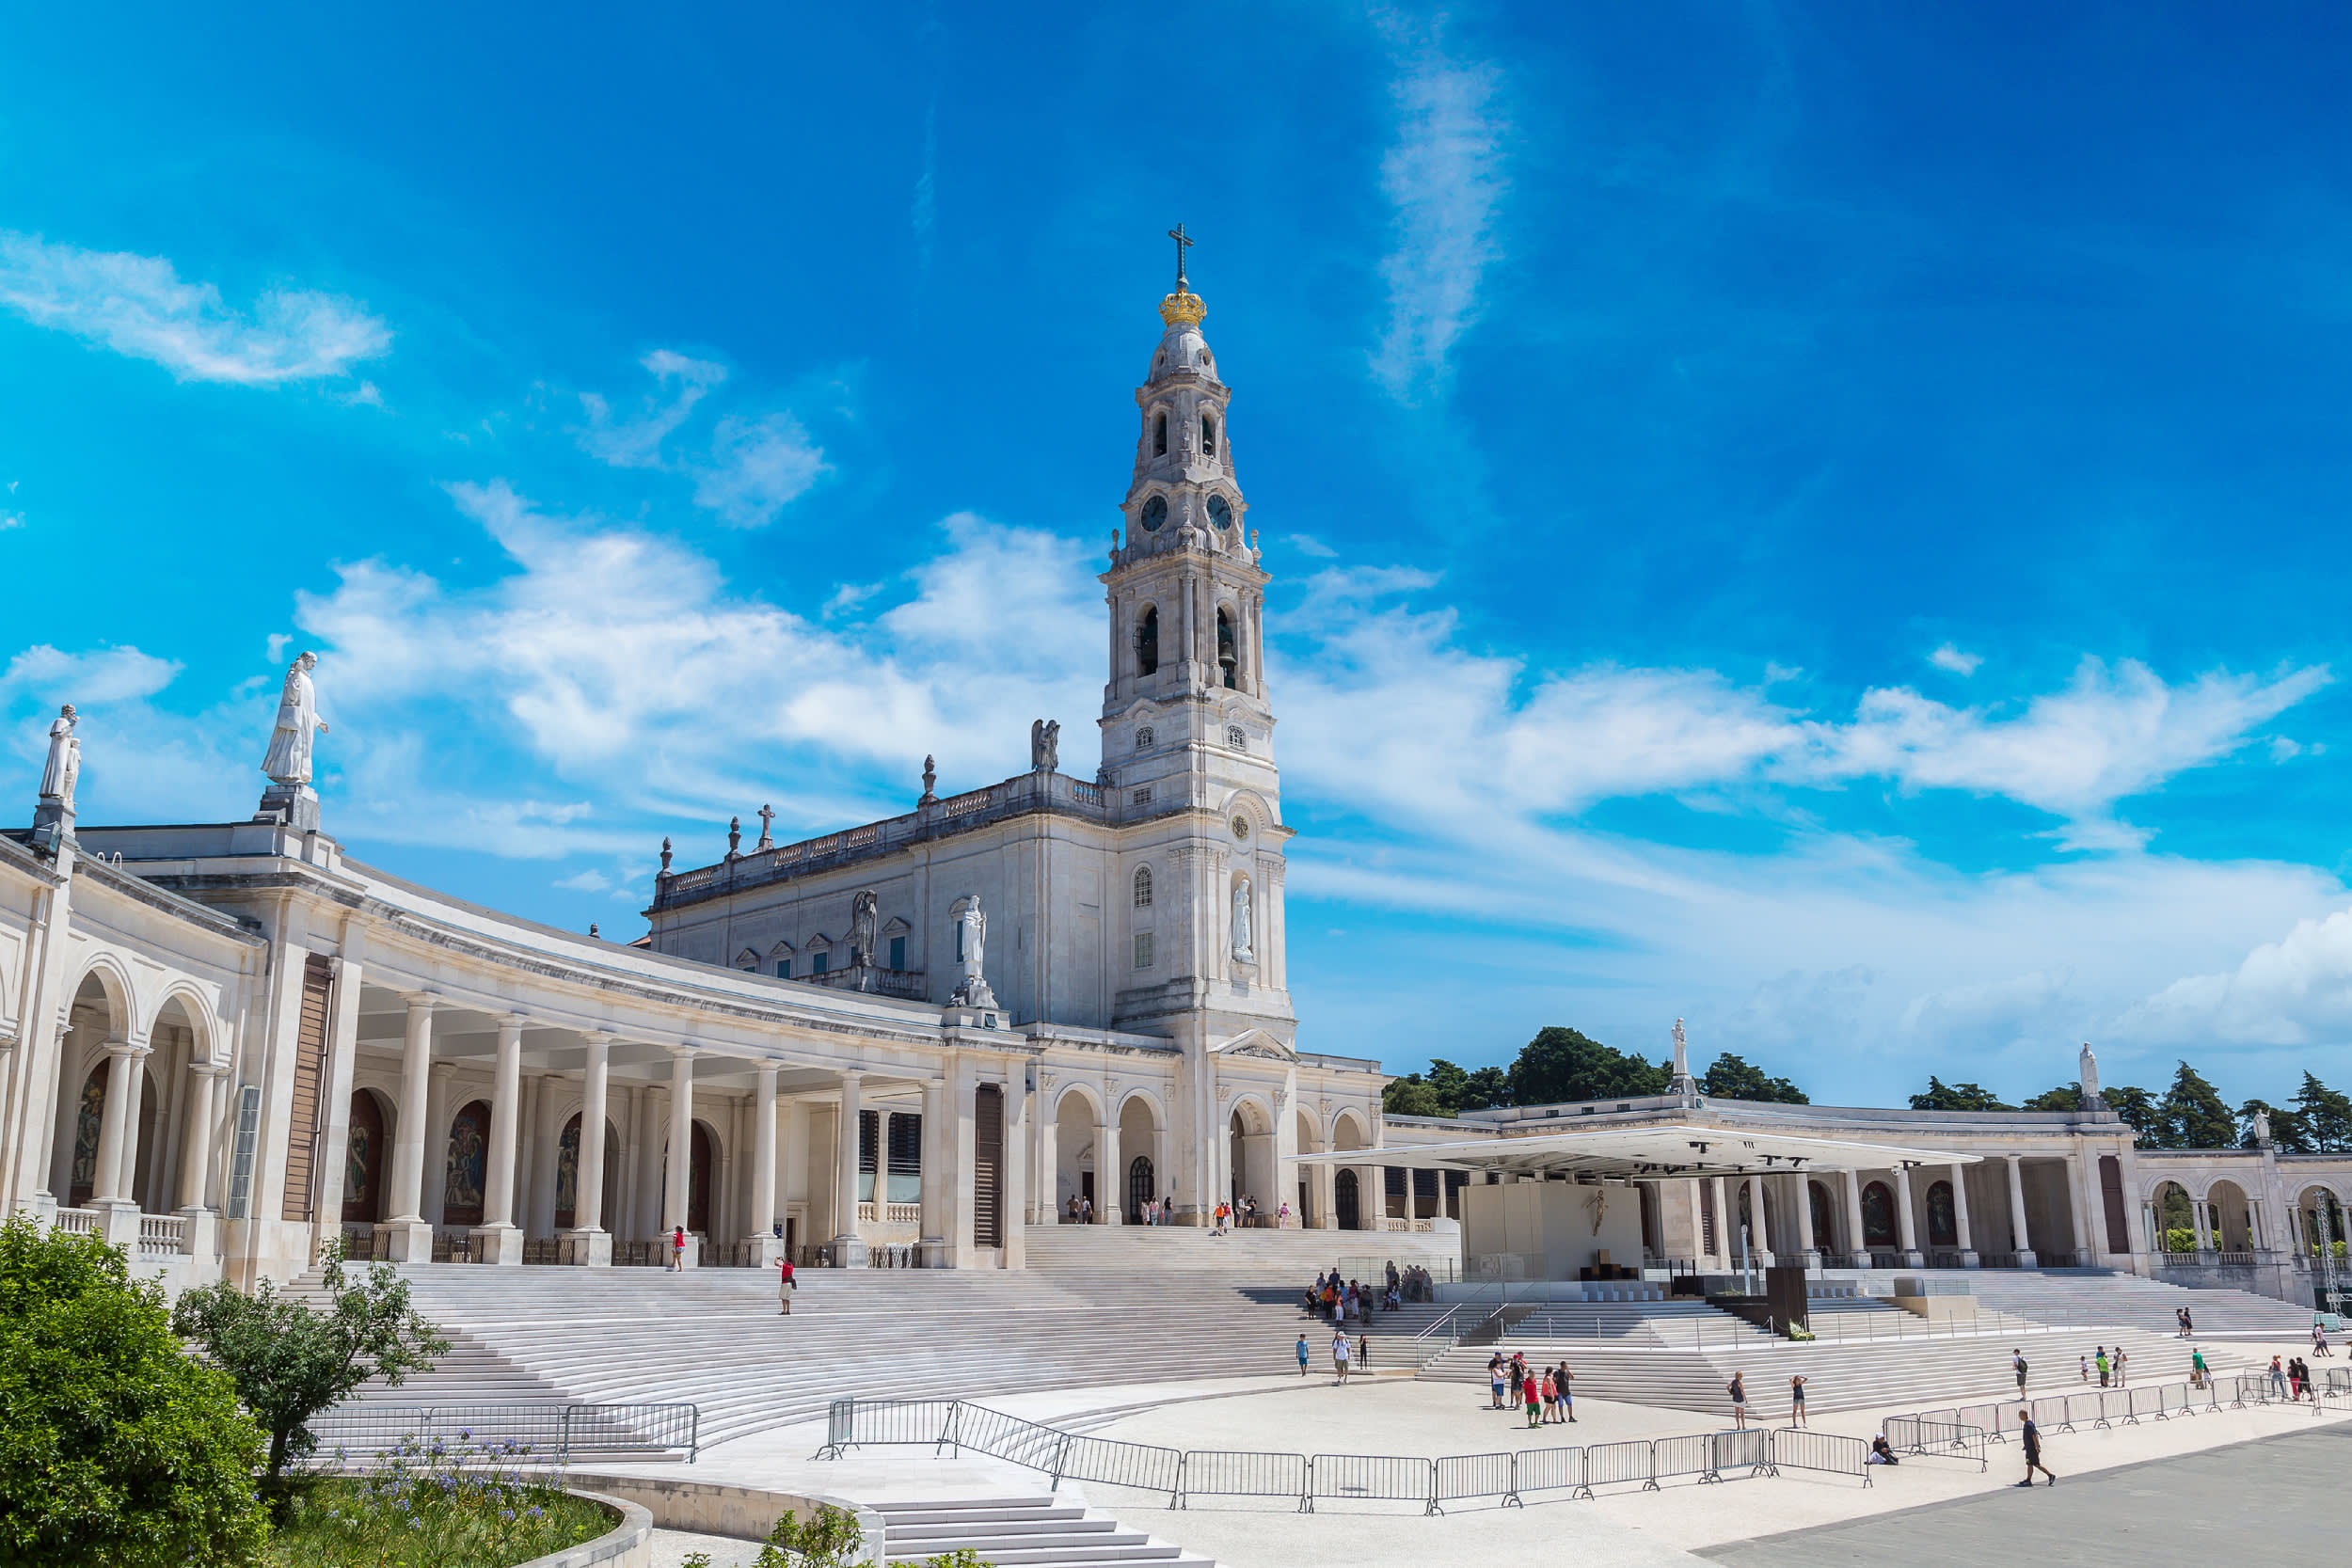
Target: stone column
(411,1236)
(498,1239)
(433,1167)
(848,1246)
(532,1153)
(1019,1107)
(1107,1178)
(2203,1228)
(117,1126)
(1760,1244)
(1327,1198)
(1445,1196)
(1906,1228)
(1961,1228)
(196,1137)
(767,1245)
(678,1193)
(2086,1244)
(1808,1245)
(2019,1242)
(1859,1248)
(936,1250)
(1726,1225)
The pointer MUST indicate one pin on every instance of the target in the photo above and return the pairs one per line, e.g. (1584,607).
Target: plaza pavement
(1399,1415)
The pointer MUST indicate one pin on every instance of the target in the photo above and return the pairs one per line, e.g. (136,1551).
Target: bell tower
(1186,715)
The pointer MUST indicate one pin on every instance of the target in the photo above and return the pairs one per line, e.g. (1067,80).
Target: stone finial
(593,935)
(930,779)
(665,855)
(735,838)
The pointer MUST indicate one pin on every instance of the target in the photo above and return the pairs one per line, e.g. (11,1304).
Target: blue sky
(1821,520)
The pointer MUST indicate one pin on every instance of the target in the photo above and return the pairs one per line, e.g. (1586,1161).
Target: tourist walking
(1363,1352)
(1531,1395)
(2122,1362)
(2017,1362)
(2189,1323)
(2086,1369)
(1339,1353)
(1494,1376)
(2278,1377)
(1302,1356)
(2198,1370)
(2102,1359)
(2179,1316)
(1737,1388)
(2299,1376)
(2319,1339)
(1567,1395)
(785,1284)
(677,1250)
(1796,1401)
(2032,1436)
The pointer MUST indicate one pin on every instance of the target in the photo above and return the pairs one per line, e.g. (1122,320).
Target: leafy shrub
(115,1447)
(431,1503)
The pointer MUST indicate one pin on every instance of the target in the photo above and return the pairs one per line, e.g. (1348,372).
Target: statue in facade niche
(65,759)
(971,953)
(288,760)
(1045,745)
(1241,919)
(863,910)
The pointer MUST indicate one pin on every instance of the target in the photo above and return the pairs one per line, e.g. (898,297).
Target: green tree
(2327,1117)
(2195,1116)
(2066,1096)
(829,1538)
(290,1362)
(1412,1096)
(1941,1096)
(2141,1113)
(1562,1064)
(1487,1085)
(116,1448)
(1732,1078)
(2286,1127)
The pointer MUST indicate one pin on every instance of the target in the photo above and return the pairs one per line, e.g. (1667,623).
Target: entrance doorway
(1346,1201)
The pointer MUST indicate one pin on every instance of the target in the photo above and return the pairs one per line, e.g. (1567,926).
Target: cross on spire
(1184,243)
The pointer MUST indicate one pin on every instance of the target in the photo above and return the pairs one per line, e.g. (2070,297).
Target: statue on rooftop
(65,759)
(971,947)
(1045,745)
(2087,1067)
(288,760)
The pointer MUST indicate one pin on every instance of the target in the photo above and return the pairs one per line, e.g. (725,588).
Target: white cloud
(679,383)
(108,675)
(138,306)
(11,520)
(590,880)
(1306,544)
(1950,658)
(757,468)
(2295,990)
(1443,176)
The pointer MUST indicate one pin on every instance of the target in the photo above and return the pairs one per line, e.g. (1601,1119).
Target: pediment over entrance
(1256,1043)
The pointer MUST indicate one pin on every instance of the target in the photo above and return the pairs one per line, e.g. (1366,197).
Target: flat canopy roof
(1648,1154)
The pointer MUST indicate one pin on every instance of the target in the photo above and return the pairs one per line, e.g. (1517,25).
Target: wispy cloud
(679,383)
(1948,657)
(138,306)
(1444,178)
(752,468)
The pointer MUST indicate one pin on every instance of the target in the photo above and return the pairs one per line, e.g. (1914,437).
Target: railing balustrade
(556,1432)
(78,1222)
(163,1235)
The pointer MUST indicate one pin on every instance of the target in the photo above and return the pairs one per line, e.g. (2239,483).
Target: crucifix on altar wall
(766,826)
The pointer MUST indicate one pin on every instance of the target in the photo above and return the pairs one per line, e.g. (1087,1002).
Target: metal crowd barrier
(2109,1407)
(558,1432)
(1929,1438)
(1711,1456)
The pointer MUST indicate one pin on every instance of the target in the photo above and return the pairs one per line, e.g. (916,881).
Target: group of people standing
(2292,1379)
(1543,1392)
(1337,1300)
(2113,1365)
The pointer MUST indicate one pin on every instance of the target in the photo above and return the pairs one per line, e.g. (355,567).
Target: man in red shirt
(784,1287)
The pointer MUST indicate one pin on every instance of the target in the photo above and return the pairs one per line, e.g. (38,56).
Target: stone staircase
(1017,1532)
(2096,1296)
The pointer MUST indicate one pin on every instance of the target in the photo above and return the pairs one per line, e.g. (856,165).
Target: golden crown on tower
(1183,308)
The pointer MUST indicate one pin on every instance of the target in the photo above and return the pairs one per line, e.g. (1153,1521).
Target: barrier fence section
(1802,1449)
(2062,1413)
(1934,1439)
(551,1432)
(1711,1456)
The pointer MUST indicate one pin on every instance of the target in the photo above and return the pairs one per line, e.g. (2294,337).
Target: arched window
(1159,435)
(1235,736)
(1208,435)
(1143,887)
(1225,659)
(1143,739)
(1943,1221)
(1878,1214)
(1148,638)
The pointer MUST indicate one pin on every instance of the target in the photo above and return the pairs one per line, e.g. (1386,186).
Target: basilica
(1060,998)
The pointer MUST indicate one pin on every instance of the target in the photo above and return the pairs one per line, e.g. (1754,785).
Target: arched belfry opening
(1159,435)
(1208,435)
(1226,661)
(1148,642)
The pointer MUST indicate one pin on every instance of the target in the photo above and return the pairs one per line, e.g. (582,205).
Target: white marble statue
(971,924)
(1241,919)
(1682,1053)
(288,761)
(2262,1127)
(65,758)
(2087,1065)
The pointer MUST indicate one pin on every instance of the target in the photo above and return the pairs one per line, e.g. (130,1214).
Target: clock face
(1155,514)
(1220,512)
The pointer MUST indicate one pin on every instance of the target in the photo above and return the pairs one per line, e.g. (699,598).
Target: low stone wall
(627,1544)
(743,1512)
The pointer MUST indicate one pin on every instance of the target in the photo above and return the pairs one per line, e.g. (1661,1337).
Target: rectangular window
(1143,949)
(784,969)
(816,962)
(302,1120)
(906,1157)
(1141,797)
(241,1153)
(898,952)
(869,1146)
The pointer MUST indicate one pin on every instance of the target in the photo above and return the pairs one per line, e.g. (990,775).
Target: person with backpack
(2198,1370)
(1339,1355)
(2017,1362)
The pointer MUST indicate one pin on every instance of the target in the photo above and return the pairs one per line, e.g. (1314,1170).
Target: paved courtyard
(2273,1501)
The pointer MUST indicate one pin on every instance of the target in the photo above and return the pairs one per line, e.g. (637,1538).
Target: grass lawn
(433,1508)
